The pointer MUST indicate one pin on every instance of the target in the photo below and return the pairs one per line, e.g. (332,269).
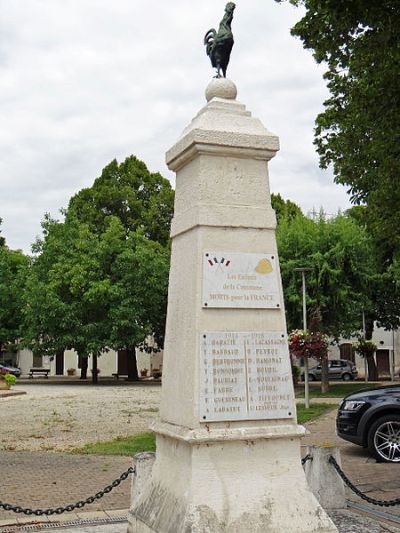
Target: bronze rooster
(219,45)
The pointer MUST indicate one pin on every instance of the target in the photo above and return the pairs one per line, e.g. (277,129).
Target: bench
(40,371)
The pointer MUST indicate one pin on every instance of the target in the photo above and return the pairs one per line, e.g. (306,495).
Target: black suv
(371,418)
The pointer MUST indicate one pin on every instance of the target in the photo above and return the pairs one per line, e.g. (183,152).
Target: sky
(85,81)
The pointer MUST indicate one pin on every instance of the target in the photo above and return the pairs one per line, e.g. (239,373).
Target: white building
(109,363)
(387,355)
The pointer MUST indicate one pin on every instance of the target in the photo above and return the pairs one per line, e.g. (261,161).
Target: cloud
(85,81)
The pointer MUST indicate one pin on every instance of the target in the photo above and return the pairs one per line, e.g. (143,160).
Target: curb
(7,394)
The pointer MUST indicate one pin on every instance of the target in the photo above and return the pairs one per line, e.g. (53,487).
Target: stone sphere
(221,88)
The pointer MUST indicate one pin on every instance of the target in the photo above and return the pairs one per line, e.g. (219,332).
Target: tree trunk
(94,370)
(324,375)
(372,369)
(84,367)
(59,360)
(295,376)
(369,328)
(131,363)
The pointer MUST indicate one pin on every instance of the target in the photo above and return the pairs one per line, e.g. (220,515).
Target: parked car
(371,418)
(4,369)
(337,369)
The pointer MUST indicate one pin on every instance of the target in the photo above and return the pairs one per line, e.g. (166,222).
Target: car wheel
(384,439)
(346,377)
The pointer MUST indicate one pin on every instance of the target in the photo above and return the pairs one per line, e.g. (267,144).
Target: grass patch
(145,442)
(336,390)
(317,409)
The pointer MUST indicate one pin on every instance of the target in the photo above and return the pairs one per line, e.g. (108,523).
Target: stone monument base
(221,480)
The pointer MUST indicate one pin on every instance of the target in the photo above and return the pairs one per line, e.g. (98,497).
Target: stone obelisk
(228,445)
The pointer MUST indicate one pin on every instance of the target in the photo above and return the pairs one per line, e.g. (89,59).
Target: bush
(365,348)
(10,379)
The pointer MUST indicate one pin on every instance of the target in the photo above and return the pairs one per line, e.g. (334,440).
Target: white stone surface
(244,376)
(323,479)
(238,486)
(227,476)
(221,88)
(143,464)
(240,280)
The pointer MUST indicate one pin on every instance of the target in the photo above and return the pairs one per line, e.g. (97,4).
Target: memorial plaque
(245,376)
(240,280)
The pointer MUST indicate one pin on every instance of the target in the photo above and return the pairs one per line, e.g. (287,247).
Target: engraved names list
(245,376)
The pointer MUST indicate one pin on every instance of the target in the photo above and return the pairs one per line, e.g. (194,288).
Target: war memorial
(228,444)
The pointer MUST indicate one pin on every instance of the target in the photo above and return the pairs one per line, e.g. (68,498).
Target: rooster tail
(209,40)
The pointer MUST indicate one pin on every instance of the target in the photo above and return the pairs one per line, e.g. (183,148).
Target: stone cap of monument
(223,127)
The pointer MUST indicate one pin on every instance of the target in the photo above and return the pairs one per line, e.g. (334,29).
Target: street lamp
(303,271)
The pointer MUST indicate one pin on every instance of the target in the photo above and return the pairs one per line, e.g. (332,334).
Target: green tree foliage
(385,287)
(90,291)
(99,280)
(143,201)
(66,291)
(359,131)
(139,299)
(2,239)
(284,208)
(13,272)
(343,283)
(338,289)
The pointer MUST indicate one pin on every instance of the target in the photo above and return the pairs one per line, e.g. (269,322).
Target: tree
(284,208)
(99,280)
(68,290)
(13,271)
(366,348)
(2,239)
(143,201)
(339,253)
(358,133)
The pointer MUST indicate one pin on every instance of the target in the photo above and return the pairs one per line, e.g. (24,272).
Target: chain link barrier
(131,470)
(71,507)
(373,501)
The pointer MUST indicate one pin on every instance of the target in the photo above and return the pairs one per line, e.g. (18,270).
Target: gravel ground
(64,417)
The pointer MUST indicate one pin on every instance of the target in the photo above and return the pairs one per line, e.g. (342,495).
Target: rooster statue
(219,45)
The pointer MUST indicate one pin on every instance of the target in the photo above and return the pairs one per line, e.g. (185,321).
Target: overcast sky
(86,81)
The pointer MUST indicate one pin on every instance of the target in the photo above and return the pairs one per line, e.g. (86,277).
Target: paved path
(48,480)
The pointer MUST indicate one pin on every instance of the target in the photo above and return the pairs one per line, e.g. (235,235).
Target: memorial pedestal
(228,446)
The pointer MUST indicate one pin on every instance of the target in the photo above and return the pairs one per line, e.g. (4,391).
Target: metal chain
(383,503)
(71,507)
(306,458)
